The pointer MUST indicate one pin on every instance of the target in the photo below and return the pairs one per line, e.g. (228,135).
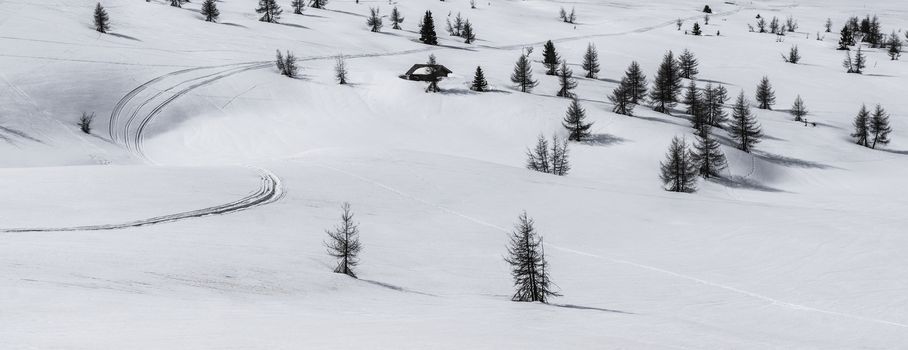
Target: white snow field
(193,217)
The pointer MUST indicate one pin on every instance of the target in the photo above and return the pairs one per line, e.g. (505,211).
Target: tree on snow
(298,6)
(862,127)
(550,58)
(551,158)
(319,4)
(856,65)
(340,70)
(467,32)
(374,20)
(879,127)
(526,256)
(707,154)
(766,97)
(566,81)
(591,61)
(622,98)
(270,11)
(895,46)
(102,20)
(479,81)
(743,127)
(210,11)
(396,18)
(695,106)
(286,64)
(575,122)
(85,122)
(678,171)
(794,56)
(799,109)
(427,30)
(634,83)
(687,64)
(696,29)
(523,75)
(666,85)
(714,99)
(344,244)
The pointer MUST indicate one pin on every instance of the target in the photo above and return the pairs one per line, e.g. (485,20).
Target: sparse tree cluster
(871,129)
(286,65)
(567,17)
(549,157)
(461,28)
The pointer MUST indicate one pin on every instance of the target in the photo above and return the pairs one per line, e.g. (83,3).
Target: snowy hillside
(193,215)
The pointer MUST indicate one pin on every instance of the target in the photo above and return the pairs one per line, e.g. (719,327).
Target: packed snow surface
(193,216)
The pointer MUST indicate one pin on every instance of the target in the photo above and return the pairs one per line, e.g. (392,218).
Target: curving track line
(269,191)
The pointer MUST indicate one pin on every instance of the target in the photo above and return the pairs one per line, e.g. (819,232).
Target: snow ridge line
(270,190)
(771,300)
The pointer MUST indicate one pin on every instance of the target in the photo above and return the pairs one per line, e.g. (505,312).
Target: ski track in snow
(269,191)
(735,290)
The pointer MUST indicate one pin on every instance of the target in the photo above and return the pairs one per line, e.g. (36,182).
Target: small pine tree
(696,30)
(319,4)
(427,30)
(538,159)
(766,97)
(102,20)
(467,32)
(177,3)
(290,68)
(774,27)
(210,11)
(794,56)
(523,75)
(374,20)
(528,266)
(879,127)
(761,24)
(714,99)
(707,154)
(298,6)
(85,122)
(566,81)
(622,98)
(678,171)
(396,18)
(666,85)
(846,38)
(340,70)
(270,11)
(706,9)
(687,63)
(635,83)
(829,25)
(695,106)
(279,62)
(591,61)
(559,156)
(743,127)
(895,46)
(344,244)
(575,122)
(799,109)
(862,127)
(479,81)
(550,58)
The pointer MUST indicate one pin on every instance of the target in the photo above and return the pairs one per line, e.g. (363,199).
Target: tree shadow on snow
(295,25)
(603,140)
(893,151)
(741,182)
(234,25)
(124,36)
(581,307)
(396,288)
(17,133)
(789,161)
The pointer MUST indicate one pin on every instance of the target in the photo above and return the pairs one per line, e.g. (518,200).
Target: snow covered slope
(194,215)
